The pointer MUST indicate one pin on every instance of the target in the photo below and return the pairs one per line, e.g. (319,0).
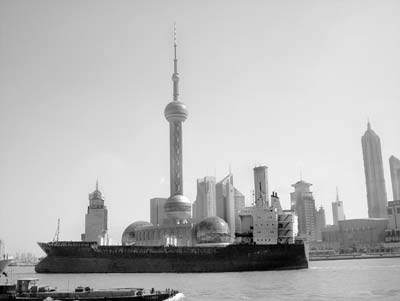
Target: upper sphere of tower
(176,111)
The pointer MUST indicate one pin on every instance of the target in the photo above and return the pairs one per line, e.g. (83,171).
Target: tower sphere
(176,111)
(178,207)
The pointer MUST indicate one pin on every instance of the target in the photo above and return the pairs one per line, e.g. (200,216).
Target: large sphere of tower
(178,208)
(176,111)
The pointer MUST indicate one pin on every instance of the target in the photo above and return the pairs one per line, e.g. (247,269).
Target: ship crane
(57,234)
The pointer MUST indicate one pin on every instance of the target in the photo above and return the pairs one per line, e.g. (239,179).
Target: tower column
(176,170)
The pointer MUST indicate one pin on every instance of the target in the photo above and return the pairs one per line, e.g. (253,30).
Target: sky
(287,84)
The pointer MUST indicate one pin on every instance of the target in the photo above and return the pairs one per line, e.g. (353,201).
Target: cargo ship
(84,257)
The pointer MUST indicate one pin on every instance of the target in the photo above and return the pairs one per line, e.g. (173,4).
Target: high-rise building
(320,222)
(225,201)
(337,210)
(303,204)
(96,217)
(177,208)
(374,178)
(240,204)
(157,213)
(205,204)
(395,175)
(261,186)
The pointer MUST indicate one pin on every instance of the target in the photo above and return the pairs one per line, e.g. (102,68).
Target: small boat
(28,290)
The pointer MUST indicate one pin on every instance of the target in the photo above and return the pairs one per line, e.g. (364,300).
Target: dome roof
(212,229)
(128,236)
(176,111)
(178,207)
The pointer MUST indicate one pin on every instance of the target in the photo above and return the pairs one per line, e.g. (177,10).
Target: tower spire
(368,124)
(97,184)
(175,75)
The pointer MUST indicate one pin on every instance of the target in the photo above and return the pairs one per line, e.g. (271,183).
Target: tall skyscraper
(374,178)
(157,213)
(96,217)
(395,175)
(337,210)
(320,222)
(261,186)
(225,201)
(178,208)
(303,204)
(240,204)
(205,204)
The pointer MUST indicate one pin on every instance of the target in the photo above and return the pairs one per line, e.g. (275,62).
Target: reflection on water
(324,280)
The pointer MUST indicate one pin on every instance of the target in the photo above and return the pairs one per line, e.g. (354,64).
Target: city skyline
(292,100)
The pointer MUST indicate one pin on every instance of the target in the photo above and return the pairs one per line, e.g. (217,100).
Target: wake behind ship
(82,257)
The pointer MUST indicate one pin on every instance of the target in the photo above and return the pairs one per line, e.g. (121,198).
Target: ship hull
(3,264)
(90,258)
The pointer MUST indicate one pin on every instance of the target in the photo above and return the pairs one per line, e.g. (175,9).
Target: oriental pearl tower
(177,208)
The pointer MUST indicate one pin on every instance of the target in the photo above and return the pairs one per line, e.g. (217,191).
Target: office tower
(225,202)
(96,217)
(205,204)
(261,186)
(374,178)
(303,204)
(240,204)
(337,210)
(177,208)
(320,222)
(395,175)
(157,213)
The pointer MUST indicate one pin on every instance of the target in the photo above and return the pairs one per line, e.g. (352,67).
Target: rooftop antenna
(97,184)
(57,234)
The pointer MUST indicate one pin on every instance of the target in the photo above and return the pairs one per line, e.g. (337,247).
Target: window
(398,210)
(389,211)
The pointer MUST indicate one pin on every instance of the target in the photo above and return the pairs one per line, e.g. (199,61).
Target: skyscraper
(96,217)
(374,178)
(303,203)
(320,222)
(178,208)
(225,201)
(337,210)
(395,175)
(205,204)
(240,204)
(157,213)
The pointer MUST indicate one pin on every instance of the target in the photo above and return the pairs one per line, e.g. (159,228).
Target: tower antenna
(175,75)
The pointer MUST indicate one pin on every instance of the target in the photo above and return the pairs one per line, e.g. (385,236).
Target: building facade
(157,213)
(303,204)
(352,235)
(374,177)
(96,218)
(395,175)
(240,204)
(320,222)
(393,231)
(205,203)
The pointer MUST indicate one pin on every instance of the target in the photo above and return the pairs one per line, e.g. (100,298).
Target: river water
(364,279)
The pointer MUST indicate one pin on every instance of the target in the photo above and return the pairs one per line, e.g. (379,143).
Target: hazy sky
(287,84)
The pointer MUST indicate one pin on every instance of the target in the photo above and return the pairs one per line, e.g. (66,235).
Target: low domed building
(128,236)
(212,230)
